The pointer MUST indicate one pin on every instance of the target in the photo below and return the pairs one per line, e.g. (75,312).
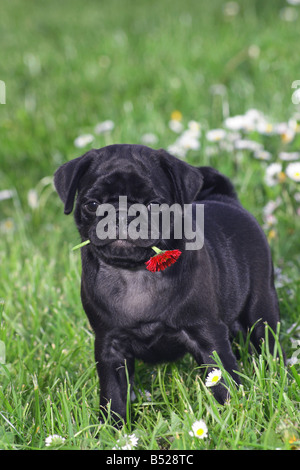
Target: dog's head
(139,175)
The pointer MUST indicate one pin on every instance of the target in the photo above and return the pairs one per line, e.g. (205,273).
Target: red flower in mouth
(162,259)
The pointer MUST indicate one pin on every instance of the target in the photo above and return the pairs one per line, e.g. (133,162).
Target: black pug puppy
(195,306)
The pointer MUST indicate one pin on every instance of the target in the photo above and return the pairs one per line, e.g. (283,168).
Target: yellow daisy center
(199,432)
(176,115)
(281,177)
(272,234)
(269,127)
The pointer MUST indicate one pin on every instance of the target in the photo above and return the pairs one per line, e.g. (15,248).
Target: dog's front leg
(116,372)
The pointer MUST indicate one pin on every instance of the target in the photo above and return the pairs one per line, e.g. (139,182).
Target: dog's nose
(131,227)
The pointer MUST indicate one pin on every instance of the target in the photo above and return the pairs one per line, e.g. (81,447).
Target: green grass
(67,67)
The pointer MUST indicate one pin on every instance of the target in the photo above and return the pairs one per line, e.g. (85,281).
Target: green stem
(86,242)
(157,250)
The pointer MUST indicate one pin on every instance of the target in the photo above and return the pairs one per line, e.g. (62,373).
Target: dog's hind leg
(202,343)
(259,313)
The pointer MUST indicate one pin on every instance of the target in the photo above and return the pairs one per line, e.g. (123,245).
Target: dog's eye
(91,206)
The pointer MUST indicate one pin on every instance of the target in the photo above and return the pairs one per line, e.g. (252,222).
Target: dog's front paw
(106,415)
(221,393)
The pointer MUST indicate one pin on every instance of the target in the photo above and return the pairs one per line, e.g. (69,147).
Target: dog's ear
(187,180)
(214,183)
(67,177)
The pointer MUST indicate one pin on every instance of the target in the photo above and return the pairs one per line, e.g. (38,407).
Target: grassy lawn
(69,66)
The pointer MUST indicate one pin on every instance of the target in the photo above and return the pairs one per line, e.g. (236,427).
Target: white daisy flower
(287,136)
(133,440)
(272,174)
(105,126)
(293,171)
(270,220)
(213,378)
(271,206)
(293,122)
(235,123)
(288,14)
(233,136)
(33,199)
(253,51)
(247,122)
(253,117)
(226,146)
(199,429)
(214,135)
(83,140)
(194,128)
(231,9)
(177,150)
(6,194)
(296,100)
(289,156)
(7,226)
(176,126)
(262,155)
(188,141)
(126,442)
(145,394)
(297,197)
(54,440)
(247,144)
(149,139)
(286,133)
(265,128)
